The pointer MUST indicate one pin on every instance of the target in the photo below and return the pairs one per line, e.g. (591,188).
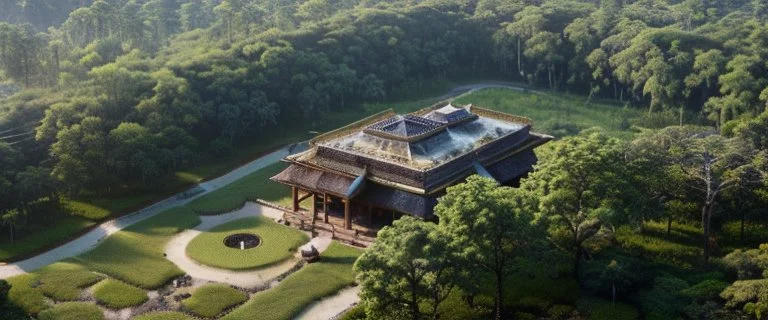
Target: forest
(99,99)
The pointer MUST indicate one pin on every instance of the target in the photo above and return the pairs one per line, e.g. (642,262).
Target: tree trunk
(706,213)
(499,294)
(577,262)
(519,66)
(12,237)
(669,226)
(741,233)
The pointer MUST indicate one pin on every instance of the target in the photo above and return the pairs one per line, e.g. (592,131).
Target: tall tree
(409,267)
(490,226)
(576,180)
(711,165)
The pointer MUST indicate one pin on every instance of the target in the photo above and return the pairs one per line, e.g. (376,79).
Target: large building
(370,172)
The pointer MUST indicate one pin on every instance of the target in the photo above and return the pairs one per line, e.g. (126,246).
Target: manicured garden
(116,294)
(278,243)
(311,283)
(211,300)
(72,311)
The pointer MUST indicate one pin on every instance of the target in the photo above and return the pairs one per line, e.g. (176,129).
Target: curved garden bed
(277,243)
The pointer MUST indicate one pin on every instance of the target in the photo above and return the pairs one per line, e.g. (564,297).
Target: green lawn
(58,230)
(63,281)
(24,296)
(211,300)
(164,315)
(554,113)
(73,311)
(278,243)
(311,283)
(118,295)
(135,255)
(233,196)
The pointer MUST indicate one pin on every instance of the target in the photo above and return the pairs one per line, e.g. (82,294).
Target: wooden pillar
(370,215)
(325,207)
(347,216)
(314,206)
(295,192)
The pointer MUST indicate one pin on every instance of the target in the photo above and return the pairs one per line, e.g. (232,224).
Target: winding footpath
(176,251)
(92,238)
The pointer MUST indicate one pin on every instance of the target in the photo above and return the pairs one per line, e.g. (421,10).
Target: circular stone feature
(248,240)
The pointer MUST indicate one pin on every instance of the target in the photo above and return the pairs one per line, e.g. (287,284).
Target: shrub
(355,313)
(72,311)
(211,300)
(707,289)
(560,311)
(665,300)
(599,309)
(117,295)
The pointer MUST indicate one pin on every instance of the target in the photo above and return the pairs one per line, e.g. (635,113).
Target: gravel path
(176,251)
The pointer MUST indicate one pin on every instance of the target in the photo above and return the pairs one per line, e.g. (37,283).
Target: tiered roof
(417,154)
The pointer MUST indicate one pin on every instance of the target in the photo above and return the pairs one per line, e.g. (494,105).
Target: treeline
(567,214)
(123,92)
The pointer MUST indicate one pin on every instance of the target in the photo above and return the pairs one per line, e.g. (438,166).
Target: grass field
(57,231)
(24,296)
(72,311)
(555,113)
(64,281)
(135,255)
(311,283)
(278,243)
(252,186)
(118,295)
(211,300)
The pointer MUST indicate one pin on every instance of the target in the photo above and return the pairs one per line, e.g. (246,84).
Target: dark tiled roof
(313,179)
(405,128)
(399,200)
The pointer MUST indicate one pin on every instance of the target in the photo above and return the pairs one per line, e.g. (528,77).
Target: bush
(707,289)
(211,300)
(665,300)
(560,311)
(355,313)
(72,311)
(599,309)
(118,295)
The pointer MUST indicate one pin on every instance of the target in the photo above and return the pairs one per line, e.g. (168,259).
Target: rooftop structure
(403,163)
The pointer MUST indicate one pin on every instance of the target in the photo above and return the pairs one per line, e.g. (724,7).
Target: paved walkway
(89,240)
(332,306)
(176,251)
